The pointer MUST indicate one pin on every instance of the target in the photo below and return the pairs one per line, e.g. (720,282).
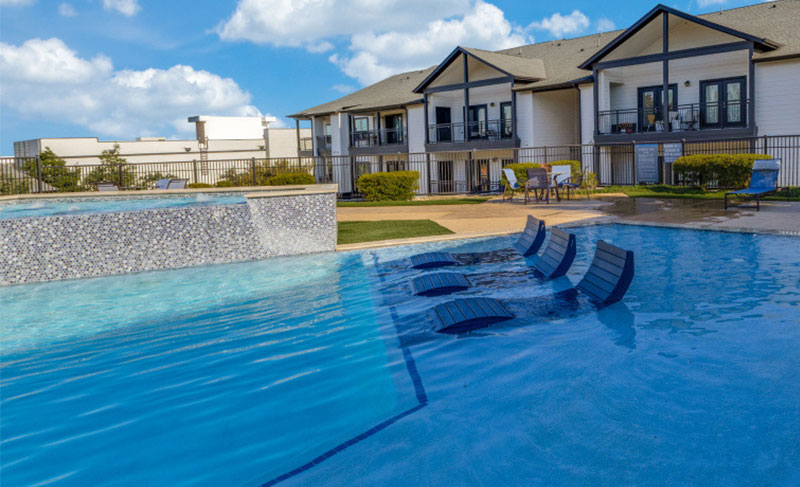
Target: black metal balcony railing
(374,138)
(463,132)
(688,117)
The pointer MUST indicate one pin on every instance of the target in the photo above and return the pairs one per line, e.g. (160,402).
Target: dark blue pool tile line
(419,389)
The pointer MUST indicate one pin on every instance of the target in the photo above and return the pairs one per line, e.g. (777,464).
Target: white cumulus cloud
(708,3)
(45,79)
(305,23)
(604,25)
(128,8)
(562,25)
(67,10)
(373,57)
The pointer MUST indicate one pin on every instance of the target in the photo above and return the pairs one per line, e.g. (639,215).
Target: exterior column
(297,125)
(596,106)
(427,126)
(513,115)
(665,72)
(466,99)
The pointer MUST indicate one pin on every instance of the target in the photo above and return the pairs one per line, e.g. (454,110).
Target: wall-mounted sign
(646,163)
(672,152)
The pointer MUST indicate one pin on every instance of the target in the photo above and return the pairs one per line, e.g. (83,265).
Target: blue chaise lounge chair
(554,262)
(528,244)
(764,181)
(605,282)
(163,183)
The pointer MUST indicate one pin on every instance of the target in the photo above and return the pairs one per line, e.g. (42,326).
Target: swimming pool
(26,208)
(321,370)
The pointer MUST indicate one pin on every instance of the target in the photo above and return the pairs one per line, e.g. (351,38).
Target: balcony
(694,120)
(394,139)
(460,135)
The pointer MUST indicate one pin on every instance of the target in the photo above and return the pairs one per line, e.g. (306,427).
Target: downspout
(580,115)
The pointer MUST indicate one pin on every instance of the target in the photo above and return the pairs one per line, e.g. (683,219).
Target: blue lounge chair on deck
(163,183)
(513,184)
(528,244)
(605,282)
(764,181)
(177,184)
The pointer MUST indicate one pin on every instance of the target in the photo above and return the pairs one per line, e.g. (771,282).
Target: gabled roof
(512,66)
(775,23)
(762,42)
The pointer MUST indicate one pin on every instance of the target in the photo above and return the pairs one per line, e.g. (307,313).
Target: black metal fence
(440,172)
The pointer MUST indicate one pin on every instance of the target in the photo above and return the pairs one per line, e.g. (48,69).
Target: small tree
(589,183)
(55,172)
(113,168)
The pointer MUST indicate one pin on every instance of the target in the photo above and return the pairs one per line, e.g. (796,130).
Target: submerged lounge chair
(606,282)
(764,181)
(528,244)
(554,262)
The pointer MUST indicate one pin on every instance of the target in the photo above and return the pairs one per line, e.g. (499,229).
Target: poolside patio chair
(106,187)
(606,281)
(764,181)
(163,183)
(572,184)
(539,182)
(177,184)
(513,184)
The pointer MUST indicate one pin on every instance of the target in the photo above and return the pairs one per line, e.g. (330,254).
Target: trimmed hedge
(728,170)
(521,171)
(225,183)
(388,186)
(199,186)
(291,178)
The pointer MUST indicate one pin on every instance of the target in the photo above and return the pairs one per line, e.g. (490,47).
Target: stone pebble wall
(101,244)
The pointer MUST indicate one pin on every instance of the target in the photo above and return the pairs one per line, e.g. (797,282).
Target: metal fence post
(39,183)
(194,171)
(428,170)
(253,169)
(119,168)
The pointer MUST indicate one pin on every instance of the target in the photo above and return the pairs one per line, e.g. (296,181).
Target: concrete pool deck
(502,218)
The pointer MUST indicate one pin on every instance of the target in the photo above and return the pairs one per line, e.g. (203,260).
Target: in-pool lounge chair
(554,262)
(512,186)
(162,183)
(177,184)
(528,244)
(764,181)
(106,187)
(605,282)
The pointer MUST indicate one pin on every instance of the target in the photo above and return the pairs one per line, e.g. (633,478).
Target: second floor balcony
(692,117)
(461,132)
(378,138)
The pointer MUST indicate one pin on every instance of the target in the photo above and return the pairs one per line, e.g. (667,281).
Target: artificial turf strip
(443,201)
(357,232)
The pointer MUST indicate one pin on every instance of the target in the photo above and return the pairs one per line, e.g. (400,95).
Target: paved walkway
(498,218)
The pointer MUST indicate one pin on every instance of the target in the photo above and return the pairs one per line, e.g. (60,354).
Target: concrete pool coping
(248,191)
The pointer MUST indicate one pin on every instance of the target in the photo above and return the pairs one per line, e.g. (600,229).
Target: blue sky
(118,69)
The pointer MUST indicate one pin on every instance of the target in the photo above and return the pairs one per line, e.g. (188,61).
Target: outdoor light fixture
(687,83)
(187,149)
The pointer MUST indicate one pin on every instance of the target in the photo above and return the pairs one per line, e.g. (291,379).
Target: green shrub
(9,186)
(388,186)
(112,169)
(199,186)
(55,172)
(728,170)
(520,171)
(225,183)
(291,178)
(264,171)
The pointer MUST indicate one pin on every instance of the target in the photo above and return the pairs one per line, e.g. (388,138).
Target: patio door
(722,103)
(394,129)
(651,104)
(444,131)
(476,128)
(478,176)
(505,116)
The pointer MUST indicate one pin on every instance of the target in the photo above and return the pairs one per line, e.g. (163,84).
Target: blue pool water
(321,370)
(78,206)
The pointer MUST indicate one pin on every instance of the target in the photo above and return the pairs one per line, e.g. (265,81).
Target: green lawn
(444,201)
(357,232)
(664,191)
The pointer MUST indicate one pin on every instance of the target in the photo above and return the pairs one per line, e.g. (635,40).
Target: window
(722,102)
(361,124)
